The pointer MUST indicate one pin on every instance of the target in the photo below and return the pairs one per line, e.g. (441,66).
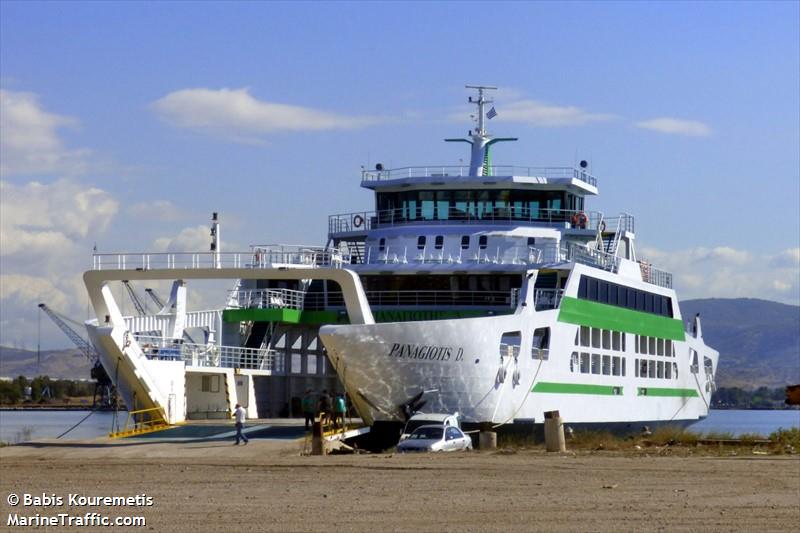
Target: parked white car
(430,419)
(435,439)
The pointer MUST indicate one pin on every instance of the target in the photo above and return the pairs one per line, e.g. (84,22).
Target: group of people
(330,408)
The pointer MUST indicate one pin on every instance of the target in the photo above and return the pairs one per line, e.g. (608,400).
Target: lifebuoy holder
(358,221)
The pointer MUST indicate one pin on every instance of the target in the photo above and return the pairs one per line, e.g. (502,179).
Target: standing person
(339,409)
(308,408)
(239,414)
(324,407)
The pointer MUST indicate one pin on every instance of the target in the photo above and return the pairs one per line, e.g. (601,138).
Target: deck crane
(103,384)
(159,303)
(137,303)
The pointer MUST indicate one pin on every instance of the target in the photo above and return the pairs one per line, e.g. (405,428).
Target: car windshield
(411,425)
(427,433)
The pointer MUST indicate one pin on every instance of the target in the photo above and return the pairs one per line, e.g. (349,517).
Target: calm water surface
(16,426)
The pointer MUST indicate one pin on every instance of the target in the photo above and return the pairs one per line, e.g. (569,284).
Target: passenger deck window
(438,243)
(382,244)
(465,242)
(483,242)
(421,242)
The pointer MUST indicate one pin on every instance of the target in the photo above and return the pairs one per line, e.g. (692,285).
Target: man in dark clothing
(308,408)
(324,407)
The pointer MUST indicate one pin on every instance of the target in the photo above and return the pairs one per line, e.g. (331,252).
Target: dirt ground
(270,486)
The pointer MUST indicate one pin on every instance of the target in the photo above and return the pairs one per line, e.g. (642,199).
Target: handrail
(259,257)
(364,221)
(269,298)
(210,355)
(444,171)
(319,301)
(547,298)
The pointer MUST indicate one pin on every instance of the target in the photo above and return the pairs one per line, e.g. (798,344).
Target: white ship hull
(459,364)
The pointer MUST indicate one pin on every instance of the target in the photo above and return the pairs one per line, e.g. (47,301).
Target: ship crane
(137,303)
(159,303)
(103,384)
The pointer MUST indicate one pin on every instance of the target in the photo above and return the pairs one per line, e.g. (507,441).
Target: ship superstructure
(488,290)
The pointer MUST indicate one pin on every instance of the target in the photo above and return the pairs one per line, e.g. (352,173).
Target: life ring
(579,220)
(358,221)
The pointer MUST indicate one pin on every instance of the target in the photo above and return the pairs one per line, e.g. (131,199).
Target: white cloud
(38,218)
(236,115)
(541,114)
(161,210)
(676,126)
(194,239)
(725,272)
(46,234)
(29,140)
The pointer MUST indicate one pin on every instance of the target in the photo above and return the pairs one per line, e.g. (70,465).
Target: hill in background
(62,364)
(758,341)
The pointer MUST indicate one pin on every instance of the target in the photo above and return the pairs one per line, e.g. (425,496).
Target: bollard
(554,432)
(487,440)
(317,442)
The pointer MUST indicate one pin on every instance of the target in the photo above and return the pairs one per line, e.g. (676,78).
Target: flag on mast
(491,114)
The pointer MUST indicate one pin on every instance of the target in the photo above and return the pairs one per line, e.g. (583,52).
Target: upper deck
(572,179)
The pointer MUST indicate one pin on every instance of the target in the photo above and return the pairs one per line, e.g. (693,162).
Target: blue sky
(126,124)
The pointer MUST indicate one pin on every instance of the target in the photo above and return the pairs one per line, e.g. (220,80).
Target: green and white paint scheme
(487,290)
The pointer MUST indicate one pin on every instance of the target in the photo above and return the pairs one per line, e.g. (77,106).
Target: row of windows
(476,204)
(605,292)
(605,365)
(654,346)
(600,338)
(648,368)
(438,242)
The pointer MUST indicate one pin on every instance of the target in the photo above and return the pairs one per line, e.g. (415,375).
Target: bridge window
(438,243)
(606,292)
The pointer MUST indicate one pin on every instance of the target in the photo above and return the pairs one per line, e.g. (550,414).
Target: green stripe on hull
(671,393)
(597,315)
(576,388)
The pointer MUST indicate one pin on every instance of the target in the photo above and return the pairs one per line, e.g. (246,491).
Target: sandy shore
(269,486)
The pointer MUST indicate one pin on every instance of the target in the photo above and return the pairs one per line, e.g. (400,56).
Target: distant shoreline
(55,408)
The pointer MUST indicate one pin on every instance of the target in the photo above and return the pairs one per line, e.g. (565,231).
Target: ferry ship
(493,291)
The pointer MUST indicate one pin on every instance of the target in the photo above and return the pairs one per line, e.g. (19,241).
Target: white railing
(210,320)
(269,298)
(258,257)
(593,257)
(655,276)
(547,298)
(364,221)
(438,171)
(210,355)
(512,255)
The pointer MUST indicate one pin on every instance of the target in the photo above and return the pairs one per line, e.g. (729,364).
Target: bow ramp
(149,358)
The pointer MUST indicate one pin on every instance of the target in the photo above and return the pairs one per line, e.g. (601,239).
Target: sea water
(19,426)
(23,425)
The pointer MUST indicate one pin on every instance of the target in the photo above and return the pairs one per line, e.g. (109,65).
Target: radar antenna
(480,163)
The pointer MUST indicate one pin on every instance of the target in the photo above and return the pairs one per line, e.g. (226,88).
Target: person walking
(308,408)
(324,407)
(239,415)
(339,409)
